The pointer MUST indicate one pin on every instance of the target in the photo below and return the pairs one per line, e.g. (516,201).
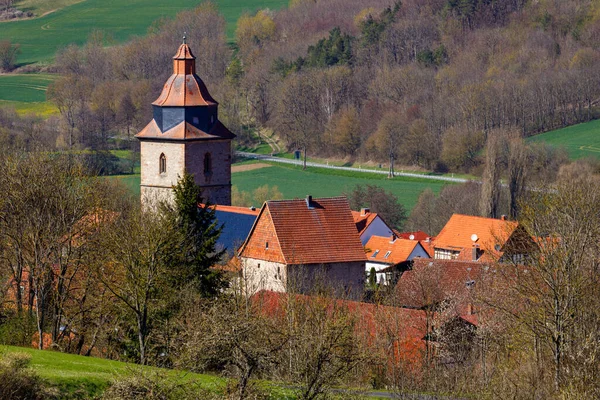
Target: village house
(448,284)
(387,257)
(471,238)
(297,244)
(369,223)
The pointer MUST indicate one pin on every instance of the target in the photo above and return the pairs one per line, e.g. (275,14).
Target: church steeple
(184,87)
(185,135)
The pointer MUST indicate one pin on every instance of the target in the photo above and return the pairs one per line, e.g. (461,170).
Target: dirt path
(248,167)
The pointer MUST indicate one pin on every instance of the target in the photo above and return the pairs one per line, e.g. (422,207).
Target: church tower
(185,135)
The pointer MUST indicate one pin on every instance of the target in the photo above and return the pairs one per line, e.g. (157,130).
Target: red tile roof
(399,249)
(373,319)
(416,235)
(297,233)
(430,282)
(492,234)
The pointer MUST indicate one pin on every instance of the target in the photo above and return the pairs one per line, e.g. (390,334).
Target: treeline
(419,83)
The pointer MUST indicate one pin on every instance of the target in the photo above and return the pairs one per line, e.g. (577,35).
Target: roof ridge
(304,199)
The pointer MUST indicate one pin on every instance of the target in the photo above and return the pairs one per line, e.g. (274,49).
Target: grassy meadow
(41,37)
(293,182)
(87,377)
(580,141)
(27,93)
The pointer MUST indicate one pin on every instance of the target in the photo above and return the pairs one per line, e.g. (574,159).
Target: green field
(27,93)
(580,141)
(293,182)
(90,375)
(40,38)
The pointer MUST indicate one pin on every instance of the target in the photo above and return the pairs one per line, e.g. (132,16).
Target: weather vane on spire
(184,37)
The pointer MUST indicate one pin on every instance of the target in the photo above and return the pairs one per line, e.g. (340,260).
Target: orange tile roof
(492,235)
(363,221)
(299,234)
(234,209)
(400,249)
(184,87)
(184,90)
(185,131)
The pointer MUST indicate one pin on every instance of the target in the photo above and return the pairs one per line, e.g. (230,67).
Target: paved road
(319,165)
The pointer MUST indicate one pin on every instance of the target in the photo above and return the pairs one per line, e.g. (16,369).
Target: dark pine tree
(199,232)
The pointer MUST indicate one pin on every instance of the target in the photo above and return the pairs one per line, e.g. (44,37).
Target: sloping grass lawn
(582,140)
(85,377)
(26,93)
(40,38)
(293,182)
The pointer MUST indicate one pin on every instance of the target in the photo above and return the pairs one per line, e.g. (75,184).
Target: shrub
(19,382)
(156,385)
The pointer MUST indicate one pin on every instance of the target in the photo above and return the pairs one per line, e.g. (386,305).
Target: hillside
(41,38)
(580,141)
(86,377)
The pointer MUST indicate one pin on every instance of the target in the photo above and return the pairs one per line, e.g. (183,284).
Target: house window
(387,254)
(207,164)
(267,245)
(258,265)
(375,254)
(162,164)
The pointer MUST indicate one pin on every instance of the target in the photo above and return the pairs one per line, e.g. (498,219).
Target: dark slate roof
(236,226)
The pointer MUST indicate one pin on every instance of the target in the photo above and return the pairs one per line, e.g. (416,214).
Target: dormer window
(162,164)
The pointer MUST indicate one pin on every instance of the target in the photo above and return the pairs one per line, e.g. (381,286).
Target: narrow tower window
(207,164)
(162,164)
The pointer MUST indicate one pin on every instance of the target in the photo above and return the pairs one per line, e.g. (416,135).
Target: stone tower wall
(186,156)
(216,185)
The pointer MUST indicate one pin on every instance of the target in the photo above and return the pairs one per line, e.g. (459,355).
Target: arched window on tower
(162,164)
(207,164)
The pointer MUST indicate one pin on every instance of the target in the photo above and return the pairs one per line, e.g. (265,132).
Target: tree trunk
(304,164)
(142,337)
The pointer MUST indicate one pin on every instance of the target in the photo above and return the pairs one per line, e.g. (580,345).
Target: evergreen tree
(199,232)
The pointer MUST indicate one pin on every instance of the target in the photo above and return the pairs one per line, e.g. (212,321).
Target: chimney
(364,211)
(503,217)
(394,237)
(309,201)
(427,239)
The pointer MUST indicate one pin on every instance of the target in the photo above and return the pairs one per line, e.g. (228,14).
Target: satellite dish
(474,237)
(412,237)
